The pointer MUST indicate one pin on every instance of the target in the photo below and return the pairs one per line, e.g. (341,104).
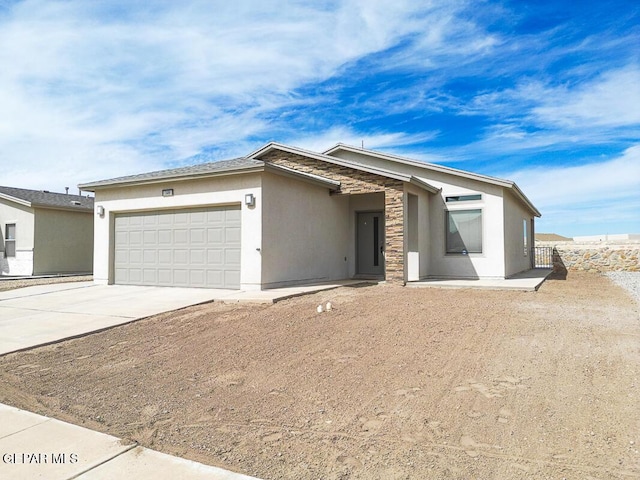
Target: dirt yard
(393,383)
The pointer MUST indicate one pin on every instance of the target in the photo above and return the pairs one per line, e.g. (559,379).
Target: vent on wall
(75,202)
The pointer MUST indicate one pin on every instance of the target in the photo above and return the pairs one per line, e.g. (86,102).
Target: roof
(202,169)
(222,167)
(346,163)
(441,169)
(45,199)
(252,163)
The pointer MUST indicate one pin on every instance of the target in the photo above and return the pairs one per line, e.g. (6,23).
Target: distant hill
(551,237)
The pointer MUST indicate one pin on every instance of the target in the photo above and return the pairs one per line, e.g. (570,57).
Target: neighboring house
(44,232)
(284,216)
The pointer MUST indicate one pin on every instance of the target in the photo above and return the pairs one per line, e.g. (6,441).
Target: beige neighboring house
(283,216)
(45,233)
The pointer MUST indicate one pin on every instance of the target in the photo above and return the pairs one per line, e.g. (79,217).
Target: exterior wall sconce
(100,210)
(249,200)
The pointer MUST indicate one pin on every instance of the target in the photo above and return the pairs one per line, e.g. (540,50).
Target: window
(10,240)
(524,229)
(462,198)
(464,231)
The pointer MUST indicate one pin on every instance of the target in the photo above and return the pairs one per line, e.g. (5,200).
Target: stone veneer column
(394,233)
(353,181)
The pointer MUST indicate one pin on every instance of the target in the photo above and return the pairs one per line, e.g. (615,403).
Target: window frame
(9,240)
(465,252)
(463,198)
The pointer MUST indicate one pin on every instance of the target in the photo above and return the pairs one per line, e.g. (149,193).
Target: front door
(371,243)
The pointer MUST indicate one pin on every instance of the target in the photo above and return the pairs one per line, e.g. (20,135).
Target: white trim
(345,163)
(442,169)
(4,196)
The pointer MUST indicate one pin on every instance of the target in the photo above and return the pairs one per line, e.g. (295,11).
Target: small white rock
(319,309)
(329,306)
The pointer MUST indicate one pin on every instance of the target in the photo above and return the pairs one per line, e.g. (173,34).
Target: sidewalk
(37,447)
(526,281)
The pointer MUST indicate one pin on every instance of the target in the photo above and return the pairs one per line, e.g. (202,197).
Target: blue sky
(543,93)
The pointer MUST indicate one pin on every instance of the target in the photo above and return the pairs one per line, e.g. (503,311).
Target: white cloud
(107,88)
(610,100)
(580,196)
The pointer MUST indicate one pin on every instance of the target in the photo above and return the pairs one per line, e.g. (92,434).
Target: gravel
(630,281)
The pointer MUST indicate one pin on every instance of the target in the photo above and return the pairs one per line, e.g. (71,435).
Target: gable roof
(252,163)
(345,163)
(222,167)
(440,169)
(45,199)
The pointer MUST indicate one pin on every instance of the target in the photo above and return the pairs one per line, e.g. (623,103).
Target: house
(44,232)
(283,215)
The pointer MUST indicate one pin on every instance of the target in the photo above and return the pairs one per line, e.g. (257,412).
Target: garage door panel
(135,275)
(194,247)
(150,257)
(198,236)
(197,257)
(215,235)
(135,256)
(181,218)
(232,215)
(215,278)
(215,257)
(165,257)
(197,278)
(149,276)
(232,256)
(122,238)
(135,237)
(165,237)
(150,220)
(165,276)
(122,275)
(122,256)
(181,257)
(215,217)
(181,237)
(231,277)
(181,277)
(198,218)
(232,235)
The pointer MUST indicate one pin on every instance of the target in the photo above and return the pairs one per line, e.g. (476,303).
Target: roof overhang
(131,182)
(439,168)
(270,147)
(19,201)
(276,169)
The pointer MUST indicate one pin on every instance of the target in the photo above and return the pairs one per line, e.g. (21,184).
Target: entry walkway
(37,447)
(527,281)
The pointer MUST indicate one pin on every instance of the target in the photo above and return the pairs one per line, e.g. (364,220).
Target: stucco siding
(516,260)
(417,240)
(353,181)
(228,190)
(23,217)
(304,231)
(490,263)
(63,242)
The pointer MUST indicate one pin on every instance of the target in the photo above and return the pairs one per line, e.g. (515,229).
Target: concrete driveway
(42,314)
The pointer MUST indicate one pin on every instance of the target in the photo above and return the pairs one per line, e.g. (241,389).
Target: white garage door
(198,247)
